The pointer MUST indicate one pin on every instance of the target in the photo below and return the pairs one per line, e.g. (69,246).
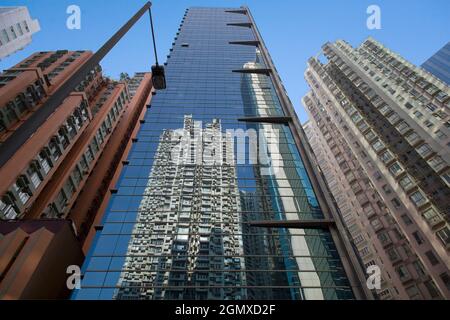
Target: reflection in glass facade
(180,224)
(439,64)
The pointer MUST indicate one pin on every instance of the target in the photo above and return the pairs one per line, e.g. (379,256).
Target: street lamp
(34,122)
(158,74)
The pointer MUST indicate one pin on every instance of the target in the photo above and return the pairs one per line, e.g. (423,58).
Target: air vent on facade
(185,45)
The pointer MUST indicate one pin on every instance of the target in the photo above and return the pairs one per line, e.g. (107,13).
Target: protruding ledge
(255,43)
(241,11)
(295,224)
(283,120)
(241,24)
(258,71)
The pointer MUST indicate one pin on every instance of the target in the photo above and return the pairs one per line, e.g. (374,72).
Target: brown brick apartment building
(66,168)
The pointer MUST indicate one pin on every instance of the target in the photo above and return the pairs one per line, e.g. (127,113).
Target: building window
(4,36)
(396,203)
(432,258)
(370,135)
(362,126)
(431,216)
(406,183)
(54,149)
(406,219)
(418,198)
(428,123)
(403,273)
(83,164)
(35,177)
(370,263)
(444,235)
(364,252)
(89,156)
(432,290)
(7,209)
(418,114)
(393,254)
(386,156)
(402,127)
(21,190)
(418,237)
(432,107)
(62,135)
(424,150)
(69,188)
(384,238)
(386,189)
(377,145)
(446,178)
(25,24)
(77,176)
(393,118)
(440,135)
(412,138)
(395,169)
(376,224)
(19,28)
(413,293)
(94,146)
(407,250)
(61,200)
(356,117)
(446,279)
(13,32)
(44,161)
(437,163)
(358,239)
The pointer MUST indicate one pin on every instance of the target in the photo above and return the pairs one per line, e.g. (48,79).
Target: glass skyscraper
(439,64)
(218,199)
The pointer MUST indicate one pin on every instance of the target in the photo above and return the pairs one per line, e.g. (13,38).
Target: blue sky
(293,30)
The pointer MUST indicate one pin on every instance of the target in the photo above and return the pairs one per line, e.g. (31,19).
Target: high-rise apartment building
(64,169)
(380,131)
(16,29)
(218,198)
(439,64)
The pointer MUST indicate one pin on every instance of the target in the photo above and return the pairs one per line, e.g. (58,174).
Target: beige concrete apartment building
(380,127)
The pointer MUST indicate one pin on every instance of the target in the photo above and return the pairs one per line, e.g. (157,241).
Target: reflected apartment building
(64,168)
(189,214)
(379,127)
(248,226)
